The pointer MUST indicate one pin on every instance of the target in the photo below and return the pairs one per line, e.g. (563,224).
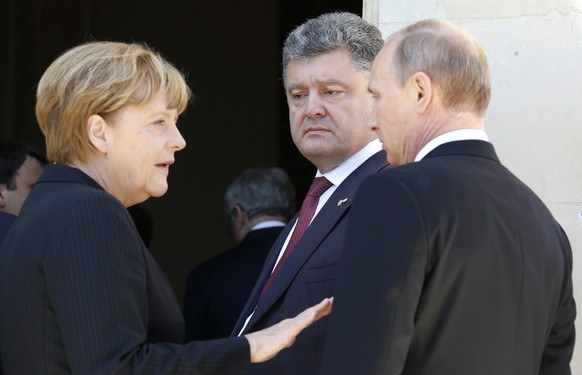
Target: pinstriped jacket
(81,294)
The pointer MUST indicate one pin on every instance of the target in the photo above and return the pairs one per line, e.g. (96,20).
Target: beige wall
(535,117)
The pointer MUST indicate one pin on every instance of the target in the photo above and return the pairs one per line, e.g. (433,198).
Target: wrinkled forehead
(331,65)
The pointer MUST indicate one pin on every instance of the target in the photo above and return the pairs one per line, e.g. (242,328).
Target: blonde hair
(99,78)
(451,57)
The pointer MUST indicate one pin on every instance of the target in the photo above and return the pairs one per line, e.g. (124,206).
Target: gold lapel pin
(342,201)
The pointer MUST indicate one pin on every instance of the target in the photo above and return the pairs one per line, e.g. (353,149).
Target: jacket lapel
(333,210)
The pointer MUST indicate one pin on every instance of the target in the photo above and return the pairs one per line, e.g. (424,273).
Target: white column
(535,116)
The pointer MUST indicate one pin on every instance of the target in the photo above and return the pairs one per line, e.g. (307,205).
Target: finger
(315,312)
(323,308)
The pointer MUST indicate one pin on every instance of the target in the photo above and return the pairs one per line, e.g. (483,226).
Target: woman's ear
(424,90)
(96,128)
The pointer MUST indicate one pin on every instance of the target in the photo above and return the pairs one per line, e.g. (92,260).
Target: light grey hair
(330,32)
(261,191)
(452,57)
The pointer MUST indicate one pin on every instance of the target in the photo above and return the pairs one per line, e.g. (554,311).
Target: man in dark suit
(452,265)
(326,67)
(20,166)
(259,203)
(6,221)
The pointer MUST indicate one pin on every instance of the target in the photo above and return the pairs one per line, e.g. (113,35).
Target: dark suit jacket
(217,290)
(307,277)
(6,221)
(81,294)
(452,266)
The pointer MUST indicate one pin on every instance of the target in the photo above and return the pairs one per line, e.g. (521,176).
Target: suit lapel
(321,226)
(262,279)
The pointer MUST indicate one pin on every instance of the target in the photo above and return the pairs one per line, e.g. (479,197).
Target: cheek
(295,119)
(295,122)
(383,116)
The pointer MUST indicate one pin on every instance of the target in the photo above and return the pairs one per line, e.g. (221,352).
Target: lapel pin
(342,201)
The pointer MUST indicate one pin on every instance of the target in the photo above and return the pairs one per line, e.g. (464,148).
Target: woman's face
(141,142)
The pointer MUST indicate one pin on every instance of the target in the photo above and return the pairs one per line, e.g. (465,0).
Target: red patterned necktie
(318,186)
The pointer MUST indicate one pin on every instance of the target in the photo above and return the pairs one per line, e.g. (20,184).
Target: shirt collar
(269,224)
(455,135)
(337,175)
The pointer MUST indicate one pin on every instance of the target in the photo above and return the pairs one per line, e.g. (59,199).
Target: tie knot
(318,186)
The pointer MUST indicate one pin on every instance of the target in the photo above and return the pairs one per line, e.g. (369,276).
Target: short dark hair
(262,191)
(330,32)
(13,154)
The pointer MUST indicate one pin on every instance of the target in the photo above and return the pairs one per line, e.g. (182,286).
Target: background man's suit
(217,290)
(460,264)
(307,277)
(6,221)
(83,295)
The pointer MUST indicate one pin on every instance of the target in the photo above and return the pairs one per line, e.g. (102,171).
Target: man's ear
(240,223)
(424,90)
(3,189)
(96,129)
(240,217)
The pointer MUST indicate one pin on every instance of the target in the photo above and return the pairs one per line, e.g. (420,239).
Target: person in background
(79,290)
(258,203)
(20,166)
(326,68)
(452,265)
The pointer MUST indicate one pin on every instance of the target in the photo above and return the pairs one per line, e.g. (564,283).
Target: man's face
(25,179)
(393,116)
(329,105)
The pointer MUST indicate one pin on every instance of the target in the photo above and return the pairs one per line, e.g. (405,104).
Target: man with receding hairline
(452,266)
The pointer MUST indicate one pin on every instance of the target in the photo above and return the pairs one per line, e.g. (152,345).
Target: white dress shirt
(336,176)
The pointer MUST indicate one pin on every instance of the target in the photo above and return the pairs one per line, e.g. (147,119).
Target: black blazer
(6,221)
(81,294)
(217,289)
(452,266)
(307,277)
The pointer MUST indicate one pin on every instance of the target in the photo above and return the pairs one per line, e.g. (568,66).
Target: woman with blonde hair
(79,291)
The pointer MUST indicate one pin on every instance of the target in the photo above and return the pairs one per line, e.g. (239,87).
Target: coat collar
(467,148)
(64,173)
(319,228)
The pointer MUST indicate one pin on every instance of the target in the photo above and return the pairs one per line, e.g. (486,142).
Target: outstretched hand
(267,343)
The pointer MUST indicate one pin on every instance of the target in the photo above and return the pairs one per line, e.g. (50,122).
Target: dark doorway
(231,56)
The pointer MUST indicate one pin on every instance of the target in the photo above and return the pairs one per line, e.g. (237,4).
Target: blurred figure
(259,203)
(20,166)
(79,290)
(452,265)
(326,68)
